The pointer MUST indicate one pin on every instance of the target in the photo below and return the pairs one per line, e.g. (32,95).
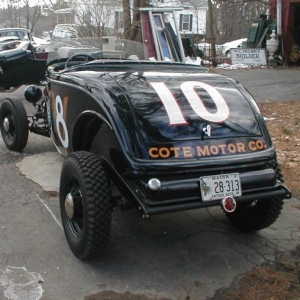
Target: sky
(5,3)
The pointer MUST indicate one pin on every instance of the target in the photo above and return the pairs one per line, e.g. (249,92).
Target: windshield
(105,48)
(98,48)
(20,34)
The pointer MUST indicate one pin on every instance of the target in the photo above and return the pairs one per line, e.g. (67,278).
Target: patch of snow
(233,67)
(238,66)
(20,284)
(191,61)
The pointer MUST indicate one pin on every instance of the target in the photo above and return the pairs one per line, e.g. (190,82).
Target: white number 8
(60,123)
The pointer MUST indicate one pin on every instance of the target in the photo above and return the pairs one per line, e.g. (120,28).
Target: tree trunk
(132,30)
(212,33)
(27,15)
(127,18)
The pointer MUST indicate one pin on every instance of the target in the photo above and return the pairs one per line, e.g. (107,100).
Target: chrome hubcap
(6,124)
(69,205)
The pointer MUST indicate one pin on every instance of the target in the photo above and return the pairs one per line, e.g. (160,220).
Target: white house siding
(96,12)
(197,11)
(103,13)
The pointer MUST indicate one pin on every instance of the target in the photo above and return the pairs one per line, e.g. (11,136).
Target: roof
(64,11)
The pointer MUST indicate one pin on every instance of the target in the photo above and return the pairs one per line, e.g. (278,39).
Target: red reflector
(228,204)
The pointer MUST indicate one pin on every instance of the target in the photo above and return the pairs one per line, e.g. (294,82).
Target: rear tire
(87,221)
(256,215)
(14,124)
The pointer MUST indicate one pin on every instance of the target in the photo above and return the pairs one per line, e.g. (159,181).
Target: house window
(186,22)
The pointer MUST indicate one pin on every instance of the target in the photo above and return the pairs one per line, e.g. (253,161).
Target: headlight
(39,49)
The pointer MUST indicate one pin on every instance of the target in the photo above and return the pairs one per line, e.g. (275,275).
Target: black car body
(150,138)
(161,136)
(19,64)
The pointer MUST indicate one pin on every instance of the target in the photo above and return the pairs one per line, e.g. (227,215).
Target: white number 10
(173,110)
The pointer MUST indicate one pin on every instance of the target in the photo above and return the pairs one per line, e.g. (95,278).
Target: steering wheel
(86,56)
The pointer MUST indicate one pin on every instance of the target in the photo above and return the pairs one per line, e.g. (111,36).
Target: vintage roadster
(155,134)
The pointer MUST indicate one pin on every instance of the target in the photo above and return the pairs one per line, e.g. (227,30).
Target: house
(109,14)
(192,19)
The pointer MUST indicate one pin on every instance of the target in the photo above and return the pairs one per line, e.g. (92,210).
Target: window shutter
(191,22)
(180,22)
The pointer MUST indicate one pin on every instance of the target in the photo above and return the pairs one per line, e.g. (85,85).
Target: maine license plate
(217,187)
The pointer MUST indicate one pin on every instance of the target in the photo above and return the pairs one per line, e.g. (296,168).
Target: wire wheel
(14,124)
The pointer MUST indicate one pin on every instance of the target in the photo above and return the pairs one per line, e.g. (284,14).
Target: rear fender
(84,130)
(93,133)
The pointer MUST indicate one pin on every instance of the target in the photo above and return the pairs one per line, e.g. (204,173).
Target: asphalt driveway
(275,84)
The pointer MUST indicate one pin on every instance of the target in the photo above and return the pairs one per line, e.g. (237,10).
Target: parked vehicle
(20,34)
(153,134)
(231,45)
(71,31)
(64,32)
(19,64)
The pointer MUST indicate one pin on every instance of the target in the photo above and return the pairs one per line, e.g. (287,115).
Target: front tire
(14,124)
(85,204)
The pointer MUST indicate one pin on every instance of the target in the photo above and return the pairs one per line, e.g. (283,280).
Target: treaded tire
(256,215)
(87,230)
(259,214)
(14,124)
(275,166)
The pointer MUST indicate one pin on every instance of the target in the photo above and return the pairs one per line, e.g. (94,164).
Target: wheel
(81,56)
(256,215)
(14,124)
(85,204)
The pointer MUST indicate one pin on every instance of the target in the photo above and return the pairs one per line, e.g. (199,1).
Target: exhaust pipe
(228,204)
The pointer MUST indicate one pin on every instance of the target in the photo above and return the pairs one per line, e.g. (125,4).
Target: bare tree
(95,17)
(31,14)
(21,14)
(233,18)
(212,31)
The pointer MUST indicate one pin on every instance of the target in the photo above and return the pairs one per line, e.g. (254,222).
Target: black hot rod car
(155,134)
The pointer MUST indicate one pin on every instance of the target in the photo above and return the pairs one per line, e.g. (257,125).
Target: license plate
(217,187)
